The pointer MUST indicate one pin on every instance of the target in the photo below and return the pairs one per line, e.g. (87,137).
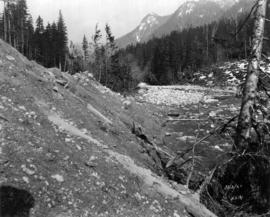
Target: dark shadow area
(15,202)
(240,186)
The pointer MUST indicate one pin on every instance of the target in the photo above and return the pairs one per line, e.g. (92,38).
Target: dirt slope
(67,149)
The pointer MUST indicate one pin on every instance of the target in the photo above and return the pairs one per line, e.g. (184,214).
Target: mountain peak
(144,30)
(150,18)
(190,13)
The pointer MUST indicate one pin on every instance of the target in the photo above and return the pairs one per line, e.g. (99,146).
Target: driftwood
(149,146)
(172,120)
(62,82)
(3,118)
(192,207)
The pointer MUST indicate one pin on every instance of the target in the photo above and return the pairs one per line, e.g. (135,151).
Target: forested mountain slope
(190,14)
(144,31)
(178,56)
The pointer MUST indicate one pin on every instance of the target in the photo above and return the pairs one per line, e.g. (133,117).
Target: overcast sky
(81,16)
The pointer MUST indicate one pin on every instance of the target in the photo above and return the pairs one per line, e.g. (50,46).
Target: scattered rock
(61,82)
(90,162)
(218,148)
(10,58)
(25,179)
(209,100)
(55,89)
(186,138)
(142,85)
(168,134)
(66,158)
(212,114)
(79,147)
(156,207)
(22,107)
(127,104)
(175,214)
(58,178)
(68,140)
(27,170)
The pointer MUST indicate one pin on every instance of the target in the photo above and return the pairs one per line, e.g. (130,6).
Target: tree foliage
(178,56)
(109,67)
(47,46)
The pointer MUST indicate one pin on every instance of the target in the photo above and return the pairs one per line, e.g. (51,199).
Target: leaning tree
(240,184)
(245,123)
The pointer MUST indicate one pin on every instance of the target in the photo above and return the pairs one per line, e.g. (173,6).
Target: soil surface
(67,147)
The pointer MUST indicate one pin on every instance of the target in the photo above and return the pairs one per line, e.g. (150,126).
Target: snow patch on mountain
(142,26)
(230,74)
(226,3)
(149,22)
(190,7)
(190,13)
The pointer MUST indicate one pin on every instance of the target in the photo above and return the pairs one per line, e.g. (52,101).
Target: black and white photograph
(134,108)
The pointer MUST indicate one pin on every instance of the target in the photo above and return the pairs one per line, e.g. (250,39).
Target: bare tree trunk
(207,43)
(99,77)
(9,26)
(106,74)
(244,127)
(245,49)
(14,43)
(65,65)
(5,21)
(22,38)
(236,29)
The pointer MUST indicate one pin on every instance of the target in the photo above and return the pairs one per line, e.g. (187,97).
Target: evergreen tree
(38,36)
(7,20)
(11,19)
(113,68)
(54,34)
(29,37)
(48,49)
(62,41)
(2,26)
(85,48)
(98,52)
(110,38)
(46,46)
(21,22)
(39,25)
